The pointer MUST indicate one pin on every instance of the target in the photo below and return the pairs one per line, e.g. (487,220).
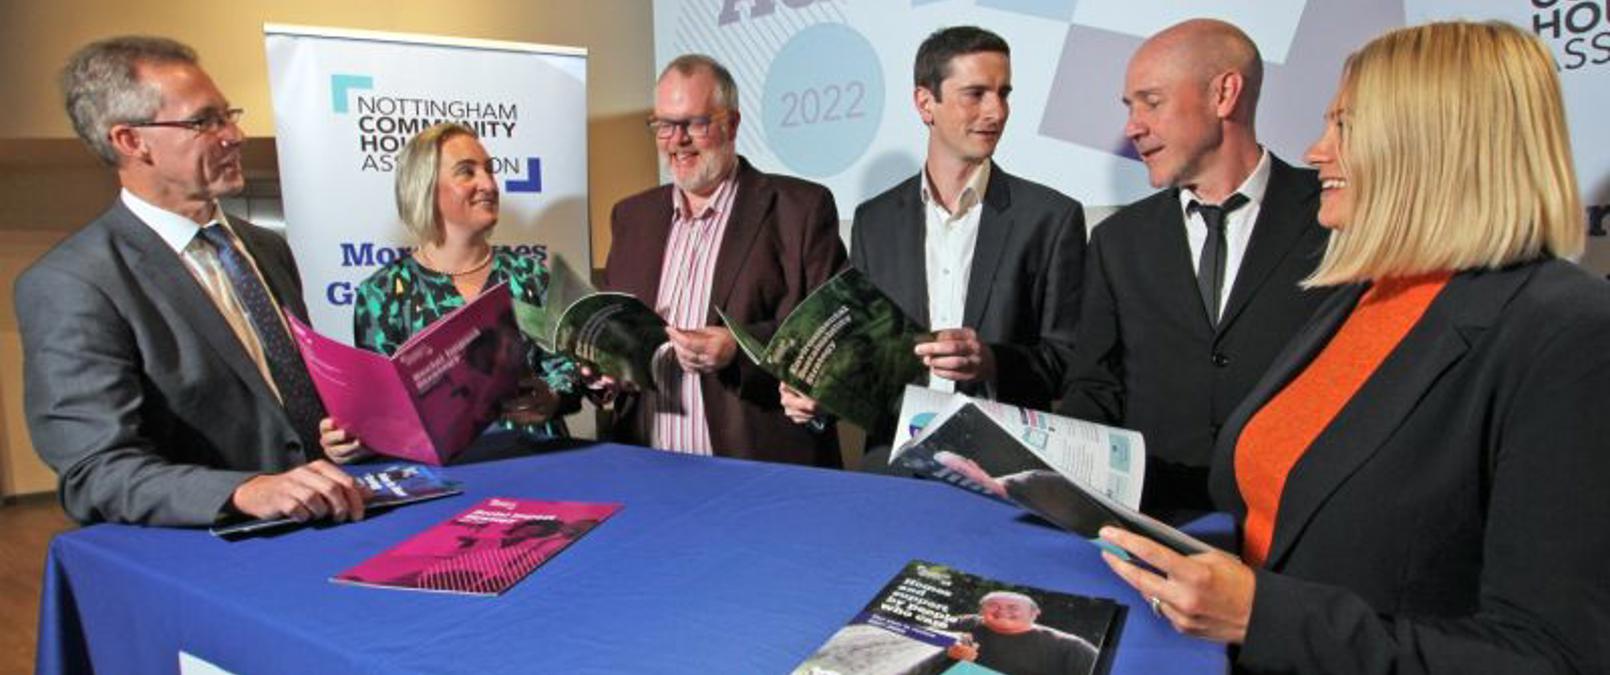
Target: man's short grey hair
(688,64)
(101,88)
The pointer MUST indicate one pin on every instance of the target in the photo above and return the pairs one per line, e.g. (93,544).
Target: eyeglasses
(210,122)
(696,127)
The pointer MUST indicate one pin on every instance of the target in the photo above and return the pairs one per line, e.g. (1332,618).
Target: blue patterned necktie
(296,391)
(1210,266)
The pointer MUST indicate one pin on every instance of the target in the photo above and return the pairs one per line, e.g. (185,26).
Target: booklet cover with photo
(1078,486)
(847,345)
(441,388)
(394,485)
(614,332)
(935,619)
(482,551)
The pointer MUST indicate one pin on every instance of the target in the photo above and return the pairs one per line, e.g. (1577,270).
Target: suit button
(1220,360)
(1213,429)
(294,449)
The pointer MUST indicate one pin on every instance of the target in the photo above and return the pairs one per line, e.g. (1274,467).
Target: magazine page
(566,285)
(847,345)
(459,370)
(616,333)
(1104,459)
(970,449)
(936,619)
(364,392)
(392,486)
(482,551)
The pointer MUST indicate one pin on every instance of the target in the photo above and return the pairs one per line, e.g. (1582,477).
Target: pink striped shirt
(686,274)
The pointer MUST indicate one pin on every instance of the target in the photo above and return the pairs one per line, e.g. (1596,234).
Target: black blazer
(137,391)
(1453,517)
(1022,290)
(1146,356)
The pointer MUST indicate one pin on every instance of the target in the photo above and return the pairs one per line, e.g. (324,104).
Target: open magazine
(482,551)
(441,388)
(614,332)
(935,619)
(847,345)
(394,485)
(1078,475)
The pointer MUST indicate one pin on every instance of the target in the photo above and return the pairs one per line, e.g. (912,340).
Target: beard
(713,166)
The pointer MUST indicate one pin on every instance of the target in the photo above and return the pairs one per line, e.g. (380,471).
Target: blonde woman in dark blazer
(1419,479)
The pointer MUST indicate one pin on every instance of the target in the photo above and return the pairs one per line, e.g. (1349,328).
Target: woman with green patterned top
(448,198)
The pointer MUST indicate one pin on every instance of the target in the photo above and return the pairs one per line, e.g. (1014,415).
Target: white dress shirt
(1238,225)
(948,253)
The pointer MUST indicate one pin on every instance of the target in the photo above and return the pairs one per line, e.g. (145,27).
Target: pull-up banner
(346,101)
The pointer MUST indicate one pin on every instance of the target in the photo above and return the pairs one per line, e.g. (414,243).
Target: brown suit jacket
(780,244)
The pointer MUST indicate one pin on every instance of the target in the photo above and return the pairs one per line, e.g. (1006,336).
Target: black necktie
(284,361)
(1210,267)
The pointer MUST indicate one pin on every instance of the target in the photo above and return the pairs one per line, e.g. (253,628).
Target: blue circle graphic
(823,100)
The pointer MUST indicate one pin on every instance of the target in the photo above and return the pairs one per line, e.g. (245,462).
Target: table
(712,566)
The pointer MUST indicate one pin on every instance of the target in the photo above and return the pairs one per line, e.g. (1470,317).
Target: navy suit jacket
(138,393)
(1453,515)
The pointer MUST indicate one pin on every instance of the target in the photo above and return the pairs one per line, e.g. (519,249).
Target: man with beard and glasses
(721,235)
(161,381)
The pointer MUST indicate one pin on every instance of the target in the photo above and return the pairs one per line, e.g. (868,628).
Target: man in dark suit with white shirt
(1191,292)
(990,261)
(161,382)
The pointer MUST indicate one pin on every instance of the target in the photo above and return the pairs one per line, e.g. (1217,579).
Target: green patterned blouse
(404,297)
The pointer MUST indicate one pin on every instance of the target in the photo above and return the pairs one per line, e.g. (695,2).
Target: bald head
(1192,93)
(1202,49)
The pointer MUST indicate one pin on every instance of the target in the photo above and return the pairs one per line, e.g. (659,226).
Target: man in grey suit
(988,260)
(1191,292)
(161,383)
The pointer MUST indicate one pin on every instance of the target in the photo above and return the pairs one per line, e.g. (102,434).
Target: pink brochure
(435,394)
(482,551)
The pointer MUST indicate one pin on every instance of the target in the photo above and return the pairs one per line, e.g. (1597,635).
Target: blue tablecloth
(712,566)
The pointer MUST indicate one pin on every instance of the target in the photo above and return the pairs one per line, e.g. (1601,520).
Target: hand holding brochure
(1078,475)
(483,551)
(394,485)
(614,332)
(847,345)
(931,618)
(435,394)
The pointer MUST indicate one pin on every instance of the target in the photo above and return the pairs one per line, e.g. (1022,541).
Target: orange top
(1281,431)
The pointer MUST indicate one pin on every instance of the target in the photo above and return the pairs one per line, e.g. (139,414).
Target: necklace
(485,260)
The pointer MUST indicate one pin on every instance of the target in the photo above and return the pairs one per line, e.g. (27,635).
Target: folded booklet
(482,551)
(613,332)
(1078,475)
(847,345)
(935,619)
(394,485)
(441,388)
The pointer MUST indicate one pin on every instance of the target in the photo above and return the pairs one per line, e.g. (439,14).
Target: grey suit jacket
(1149,359)
(138,394)
(1022,291)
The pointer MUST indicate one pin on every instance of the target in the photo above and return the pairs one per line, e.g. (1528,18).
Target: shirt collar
(972,190)
(175,230)
(1253,187)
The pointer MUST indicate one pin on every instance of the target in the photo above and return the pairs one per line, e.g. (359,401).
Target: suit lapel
(994,227)
(1467,306)
(1174,270)
(1281,221)
(910,251)
(641,276)
(184,296)
(751,209)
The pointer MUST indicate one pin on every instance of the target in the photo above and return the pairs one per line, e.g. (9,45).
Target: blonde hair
(1456,153)
(417,167)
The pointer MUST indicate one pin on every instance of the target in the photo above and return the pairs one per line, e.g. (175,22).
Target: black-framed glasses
(695,127)
(210,122)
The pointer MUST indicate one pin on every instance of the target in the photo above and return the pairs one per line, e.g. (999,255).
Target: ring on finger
(1156,604)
